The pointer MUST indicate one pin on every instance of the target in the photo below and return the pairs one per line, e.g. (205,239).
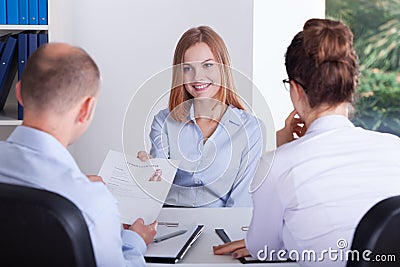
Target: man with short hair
(58,90)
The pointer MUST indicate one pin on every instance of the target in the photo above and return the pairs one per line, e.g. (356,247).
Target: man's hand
(237,248)
(95,178)
(147,232)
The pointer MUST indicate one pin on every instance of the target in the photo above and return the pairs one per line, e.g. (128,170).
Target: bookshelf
(9,115)
(6,27)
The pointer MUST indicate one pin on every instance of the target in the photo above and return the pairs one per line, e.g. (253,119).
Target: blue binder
(22,52)
(43,12)
(3,13)
(20,111)
(22,58)
(2,44)
(23,12)
(33,11)
(8,69)
(29,45)
(1,47)
(42,39)
(32,43)
(12,12)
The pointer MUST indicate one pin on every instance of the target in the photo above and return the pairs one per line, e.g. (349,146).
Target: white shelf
(10,122)
(9,27)
(9,115)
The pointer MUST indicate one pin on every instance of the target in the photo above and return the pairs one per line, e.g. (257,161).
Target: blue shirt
(216,173)
(34,158)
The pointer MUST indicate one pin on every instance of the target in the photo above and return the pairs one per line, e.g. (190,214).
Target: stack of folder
(24,12)
(8,67)
(14,52)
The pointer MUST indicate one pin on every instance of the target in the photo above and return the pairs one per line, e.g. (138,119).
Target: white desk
(201,253)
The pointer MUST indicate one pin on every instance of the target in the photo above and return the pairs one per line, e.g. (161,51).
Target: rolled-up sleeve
(159,135)
(133,247)
(267,221)
(112,245)
(240,196)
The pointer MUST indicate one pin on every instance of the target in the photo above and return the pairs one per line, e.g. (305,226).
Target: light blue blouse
(216,173)
(34,158)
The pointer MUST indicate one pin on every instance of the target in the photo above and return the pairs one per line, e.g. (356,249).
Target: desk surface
(201,253)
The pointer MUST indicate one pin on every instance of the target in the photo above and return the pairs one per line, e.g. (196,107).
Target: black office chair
(41,228)
(378,231)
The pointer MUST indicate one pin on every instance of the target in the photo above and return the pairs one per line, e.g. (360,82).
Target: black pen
(170,235)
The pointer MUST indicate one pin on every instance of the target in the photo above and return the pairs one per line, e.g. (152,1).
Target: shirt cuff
(131,239)
(248,248)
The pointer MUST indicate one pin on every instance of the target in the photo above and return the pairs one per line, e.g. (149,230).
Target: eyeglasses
(286,83)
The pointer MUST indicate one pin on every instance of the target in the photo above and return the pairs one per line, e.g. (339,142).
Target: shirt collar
(42,142)
(230,116)
(329,122)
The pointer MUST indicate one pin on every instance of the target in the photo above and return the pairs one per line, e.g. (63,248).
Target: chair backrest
(41,228)
(378,232)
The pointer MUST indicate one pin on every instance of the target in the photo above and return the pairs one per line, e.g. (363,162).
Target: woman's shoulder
(162,114)
(246,117)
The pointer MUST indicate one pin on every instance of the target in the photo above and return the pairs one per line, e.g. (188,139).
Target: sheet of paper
(139,187)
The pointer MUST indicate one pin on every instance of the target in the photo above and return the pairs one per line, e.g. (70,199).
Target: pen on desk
(170,235)
(169,224)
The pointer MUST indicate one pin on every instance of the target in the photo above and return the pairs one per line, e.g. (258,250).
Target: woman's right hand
(293,125)
(143,156)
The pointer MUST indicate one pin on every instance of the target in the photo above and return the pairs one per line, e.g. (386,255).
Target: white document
(139,187)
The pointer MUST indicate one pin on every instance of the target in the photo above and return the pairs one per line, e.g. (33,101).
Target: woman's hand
(147,232)
(237,248)
(293,125)
(143,156)
(94,178)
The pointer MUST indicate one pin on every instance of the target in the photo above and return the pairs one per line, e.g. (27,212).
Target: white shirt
(216,173)
(36,159)
(319,187)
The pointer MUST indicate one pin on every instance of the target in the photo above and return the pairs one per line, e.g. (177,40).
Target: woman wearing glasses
(312,192)
(206,127)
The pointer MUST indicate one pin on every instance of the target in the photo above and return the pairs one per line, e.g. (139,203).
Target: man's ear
(18,93)
(86,109)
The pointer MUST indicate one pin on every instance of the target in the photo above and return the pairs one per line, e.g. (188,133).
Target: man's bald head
(57,76)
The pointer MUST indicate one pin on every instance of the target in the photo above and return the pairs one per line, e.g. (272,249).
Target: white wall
(5,131)
(133,40)
(274,27)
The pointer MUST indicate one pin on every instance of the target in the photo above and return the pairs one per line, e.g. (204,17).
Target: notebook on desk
(172,250)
